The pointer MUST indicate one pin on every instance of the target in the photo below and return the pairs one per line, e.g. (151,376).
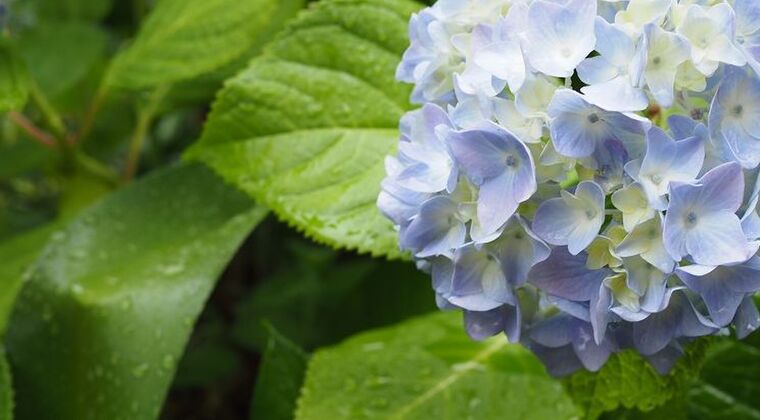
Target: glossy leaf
(182,39)
(629,381)
(280,378)
(728,384)
(17,255)
(306,127)
(14,81)
(109,306)
(427,368)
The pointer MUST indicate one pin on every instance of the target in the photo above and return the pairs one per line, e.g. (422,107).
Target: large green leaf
(728,385)
(17,254)
(182,39)
(59,54)
(6,389)
(306,127)
(628,380)
(427,368)
(109,306)
(280,378)
(14,81)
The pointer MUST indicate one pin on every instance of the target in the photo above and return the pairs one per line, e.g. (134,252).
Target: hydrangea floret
(582,175)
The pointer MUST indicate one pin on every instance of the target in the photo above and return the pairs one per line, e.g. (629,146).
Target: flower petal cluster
(582,175)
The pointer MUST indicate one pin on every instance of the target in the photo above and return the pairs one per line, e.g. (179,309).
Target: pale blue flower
(485,324)
(666,161)
(748,31)
(484,276)
(639,13)
(577,126)
(431,59)
(562,341)
(397,203)
(710,33)
(665,52)
(573,219)
(735,116)
(560,36)
(700,221)
(497,51)
(437,229)
(747,317)
(616,74)
(677,319)
(500,166)
(722,288)
(646,241)
(633,204)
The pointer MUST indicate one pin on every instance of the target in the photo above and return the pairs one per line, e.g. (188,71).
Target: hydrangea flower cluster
(582,175)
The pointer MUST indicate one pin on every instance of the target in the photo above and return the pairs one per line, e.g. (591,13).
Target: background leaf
(98,328)
(14,81)
(427,368)
(628,380)
(6,389)
(280,378)
(319,299)
(60,54)
(182,39)
(305,129)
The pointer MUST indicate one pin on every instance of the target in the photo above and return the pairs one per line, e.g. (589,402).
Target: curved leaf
(306,127)
(182,39)
(109,305)
(427,368)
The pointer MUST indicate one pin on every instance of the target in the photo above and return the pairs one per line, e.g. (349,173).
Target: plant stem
(51,116)
(92,111)
(34,132)
(145,118)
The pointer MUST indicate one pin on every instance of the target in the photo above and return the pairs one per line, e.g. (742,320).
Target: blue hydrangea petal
(436,230)
(721,301)
(560,361)
(678,319)
(486,324)
(700,220)
(573,220)
(478,281)
(566,276)
(560,36)
(747,318)
(518,250)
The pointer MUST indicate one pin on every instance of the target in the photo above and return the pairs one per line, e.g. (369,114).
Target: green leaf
(427,368)
(17,255)
(306,127)
(728,385)
(14,81)
(280,378)
(60,54)
(315,303)
(183,39)
(629,381)
(6,389)
(93,10)
(99,326)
